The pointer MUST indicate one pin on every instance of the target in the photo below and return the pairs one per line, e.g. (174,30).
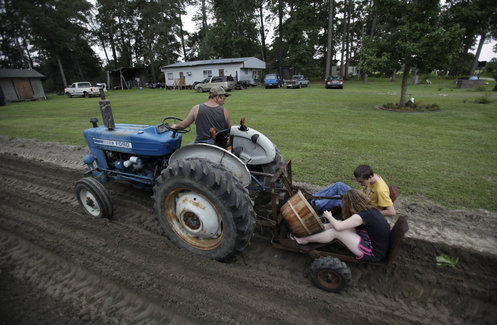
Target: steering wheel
(175,121)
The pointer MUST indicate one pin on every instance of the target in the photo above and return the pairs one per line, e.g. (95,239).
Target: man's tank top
(207,118)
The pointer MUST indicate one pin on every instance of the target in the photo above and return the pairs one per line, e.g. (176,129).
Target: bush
(411,107)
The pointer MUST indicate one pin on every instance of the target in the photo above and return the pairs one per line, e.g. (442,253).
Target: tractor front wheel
(330,274)
(204,209)
(93,198)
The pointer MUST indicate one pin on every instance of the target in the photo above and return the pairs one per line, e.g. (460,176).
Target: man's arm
(227,118)
(190,118)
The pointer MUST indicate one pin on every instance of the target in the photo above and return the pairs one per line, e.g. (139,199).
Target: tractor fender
(257,149)
(216,155)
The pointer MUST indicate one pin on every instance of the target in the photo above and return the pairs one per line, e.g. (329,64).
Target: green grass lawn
(449,156)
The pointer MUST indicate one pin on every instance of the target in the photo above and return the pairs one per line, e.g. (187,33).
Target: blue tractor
(205,195)
(201,191)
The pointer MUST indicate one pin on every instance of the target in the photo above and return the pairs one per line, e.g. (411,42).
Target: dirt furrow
(126,271)
(66,281)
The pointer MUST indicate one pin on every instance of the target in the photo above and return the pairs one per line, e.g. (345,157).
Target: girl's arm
(351,222)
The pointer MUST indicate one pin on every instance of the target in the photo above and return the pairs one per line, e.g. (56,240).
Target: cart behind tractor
(207,197)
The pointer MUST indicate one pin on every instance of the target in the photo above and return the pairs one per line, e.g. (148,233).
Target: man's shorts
(366,247)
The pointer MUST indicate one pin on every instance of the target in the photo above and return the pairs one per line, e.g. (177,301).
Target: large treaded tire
(93,198)
(330,274)
(212,188)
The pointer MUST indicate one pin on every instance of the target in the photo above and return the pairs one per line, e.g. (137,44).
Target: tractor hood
(140,140)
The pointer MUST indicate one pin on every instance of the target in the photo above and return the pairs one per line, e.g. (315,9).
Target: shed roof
(209,62)
(20,73)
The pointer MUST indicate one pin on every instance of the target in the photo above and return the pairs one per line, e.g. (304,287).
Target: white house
(248,69)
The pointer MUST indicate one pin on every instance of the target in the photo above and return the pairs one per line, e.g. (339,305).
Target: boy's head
(363,173)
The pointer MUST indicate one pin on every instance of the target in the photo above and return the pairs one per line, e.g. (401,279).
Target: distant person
(372,185)
(364,230)
(211,114)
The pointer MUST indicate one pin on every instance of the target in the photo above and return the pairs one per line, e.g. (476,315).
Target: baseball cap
(218,90)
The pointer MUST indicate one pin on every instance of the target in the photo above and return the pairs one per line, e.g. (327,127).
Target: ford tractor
(208,198)
(202,192)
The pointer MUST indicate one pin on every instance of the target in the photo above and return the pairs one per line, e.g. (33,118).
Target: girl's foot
(292,237)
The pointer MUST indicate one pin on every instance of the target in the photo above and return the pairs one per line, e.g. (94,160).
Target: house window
(207,73)
(170,76)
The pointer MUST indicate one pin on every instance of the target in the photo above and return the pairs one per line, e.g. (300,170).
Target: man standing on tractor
(372,185)
(208,115)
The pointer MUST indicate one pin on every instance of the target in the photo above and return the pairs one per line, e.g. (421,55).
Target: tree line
(309,37)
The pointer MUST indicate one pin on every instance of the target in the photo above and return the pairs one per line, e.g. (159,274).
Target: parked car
(297,81)
(273,80)
(227,82)
(83,88)
(199,82)
(334,82)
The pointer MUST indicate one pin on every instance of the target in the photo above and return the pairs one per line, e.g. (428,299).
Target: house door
(181,79)
(23,88)
(221,72)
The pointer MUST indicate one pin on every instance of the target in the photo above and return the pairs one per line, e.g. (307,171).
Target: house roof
(208,62)
(20,73)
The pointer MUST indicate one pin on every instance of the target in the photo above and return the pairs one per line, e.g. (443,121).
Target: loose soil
(58,266)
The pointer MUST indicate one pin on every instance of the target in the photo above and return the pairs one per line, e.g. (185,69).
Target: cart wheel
(330,274)
(93,198)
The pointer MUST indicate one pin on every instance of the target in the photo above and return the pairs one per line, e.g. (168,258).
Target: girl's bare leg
(348,237)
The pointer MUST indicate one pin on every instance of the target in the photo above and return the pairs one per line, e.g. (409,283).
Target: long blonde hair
(354,201)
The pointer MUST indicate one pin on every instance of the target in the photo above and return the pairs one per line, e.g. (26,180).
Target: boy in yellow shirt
(375,188)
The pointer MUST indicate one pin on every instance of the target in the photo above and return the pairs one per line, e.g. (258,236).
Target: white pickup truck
(227,82)
(297,81)
(83,88)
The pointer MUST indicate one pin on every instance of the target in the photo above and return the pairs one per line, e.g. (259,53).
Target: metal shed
(248,69)
(20,84)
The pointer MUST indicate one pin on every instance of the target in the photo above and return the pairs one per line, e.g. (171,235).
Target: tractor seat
(397,234)
(394,192)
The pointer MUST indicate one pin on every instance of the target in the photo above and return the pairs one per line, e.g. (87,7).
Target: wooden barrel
(301,218)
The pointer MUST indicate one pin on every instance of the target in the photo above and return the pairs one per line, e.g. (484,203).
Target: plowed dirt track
(59,266)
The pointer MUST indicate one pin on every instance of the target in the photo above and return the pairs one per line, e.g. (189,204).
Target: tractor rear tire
(203,208)
(93,198)
(330,274)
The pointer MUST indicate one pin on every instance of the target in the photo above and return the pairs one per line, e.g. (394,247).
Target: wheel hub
(197,215)
(90,203)
(191,220)
(329,278)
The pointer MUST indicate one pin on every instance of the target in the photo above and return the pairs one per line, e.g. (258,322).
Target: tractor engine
(127,151)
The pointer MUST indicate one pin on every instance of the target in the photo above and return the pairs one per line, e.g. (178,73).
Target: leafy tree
(476,18)
(15,38)
(49,33)
(411,35)
(233,32)
(486,25)
(329,46)
(300,36)
(159,29)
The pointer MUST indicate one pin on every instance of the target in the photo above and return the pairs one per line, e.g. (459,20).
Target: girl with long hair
(364,230)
